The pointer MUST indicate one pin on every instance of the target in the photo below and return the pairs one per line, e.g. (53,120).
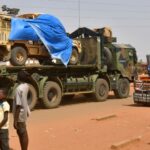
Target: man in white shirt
(21,109)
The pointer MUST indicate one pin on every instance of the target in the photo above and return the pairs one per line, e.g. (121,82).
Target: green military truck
(103,66)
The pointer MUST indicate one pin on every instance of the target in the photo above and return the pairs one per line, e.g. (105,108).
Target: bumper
(143,97)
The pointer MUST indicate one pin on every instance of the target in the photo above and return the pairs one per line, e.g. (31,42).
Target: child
(4,110)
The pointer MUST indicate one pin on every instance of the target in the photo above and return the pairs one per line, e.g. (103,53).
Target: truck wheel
(74,57)
(18,56)
(52,95)
(101,90)
(32,97)
(123,88)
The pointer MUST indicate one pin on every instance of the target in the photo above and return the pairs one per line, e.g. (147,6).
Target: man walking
(21,109)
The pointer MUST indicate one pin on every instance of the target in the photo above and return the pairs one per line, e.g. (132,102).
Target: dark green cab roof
(123,46)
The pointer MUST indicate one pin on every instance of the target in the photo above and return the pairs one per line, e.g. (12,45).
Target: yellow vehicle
(19,51)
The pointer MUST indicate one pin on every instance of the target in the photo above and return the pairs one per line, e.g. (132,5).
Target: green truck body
(102,67)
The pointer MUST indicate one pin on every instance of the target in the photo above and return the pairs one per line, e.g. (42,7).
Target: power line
(116,4)
(84,9)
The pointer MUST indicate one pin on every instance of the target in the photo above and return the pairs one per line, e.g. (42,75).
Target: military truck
(103,66)
(18,51)
(142,86)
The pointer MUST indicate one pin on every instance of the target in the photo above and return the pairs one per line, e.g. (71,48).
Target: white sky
(129,20)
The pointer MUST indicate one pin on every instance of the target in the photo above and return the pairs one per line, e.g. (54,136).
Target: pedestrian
(4,121)
(21,109)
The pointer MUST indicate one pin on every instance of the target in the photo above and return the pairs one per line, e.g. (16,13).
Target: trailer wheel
(74,57)
(52,95)
(32,97)
(18,56)
(101,90)
(123,88)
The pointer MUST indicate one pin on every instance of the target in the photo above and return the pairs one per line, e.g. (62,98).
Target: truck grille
(4,36)
(142,91)
(140,96)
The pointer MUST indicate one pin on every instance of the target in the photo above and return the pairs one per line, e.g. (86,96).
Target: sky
(129,20)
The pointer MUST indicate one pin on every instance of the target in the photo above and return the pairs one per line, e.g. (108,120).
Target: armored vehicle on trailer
(18,51)
(142,86)
(103,66)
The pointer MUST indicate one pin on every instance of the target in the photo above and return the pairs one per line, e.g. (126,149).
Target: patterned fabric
(4,107)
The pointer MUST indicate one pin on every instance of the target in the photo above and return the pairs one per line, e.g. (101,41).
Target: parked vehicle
(142,86)
(18,51)
(103,66)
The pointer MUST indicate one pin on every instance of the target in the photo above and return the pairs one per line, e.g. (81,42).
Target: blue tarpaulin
(46,28)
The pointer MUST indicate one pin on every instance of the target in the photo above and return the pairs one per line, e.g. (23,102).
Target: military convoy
(99,66)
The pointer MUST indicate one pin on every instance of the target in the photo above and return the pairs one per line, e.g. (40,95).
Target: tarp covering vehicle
(46,28)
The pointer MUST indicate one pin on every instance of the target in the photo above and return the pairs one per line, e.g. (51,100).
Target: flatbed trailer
(103,67)
(50,83)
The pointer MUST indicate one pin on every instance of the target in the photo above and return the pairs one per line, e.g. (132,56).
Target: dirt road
(77,125)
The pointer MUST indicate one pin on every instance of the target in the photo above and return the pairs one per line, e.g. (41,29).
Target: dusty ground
(72,126)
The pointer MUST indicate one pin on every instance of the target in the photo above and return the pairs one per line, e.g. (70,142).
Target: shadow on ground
(78,99)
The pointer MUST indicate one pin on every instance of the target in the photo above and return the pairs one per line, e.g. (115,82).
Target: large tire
(18,56)
(123,88)
(108,56)
(32,97)
(52,95)
(74,57)
(101,90)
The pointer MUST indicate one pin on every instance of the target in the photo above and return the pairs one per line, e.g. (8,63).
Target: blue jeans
(4,139)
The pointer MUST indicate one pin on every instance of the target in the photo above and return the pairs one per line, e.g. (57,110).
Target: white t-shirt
(4,106)
(21,100)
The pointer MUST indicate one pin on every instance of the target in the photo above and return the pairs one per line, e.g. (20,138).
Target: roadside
(73,126)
